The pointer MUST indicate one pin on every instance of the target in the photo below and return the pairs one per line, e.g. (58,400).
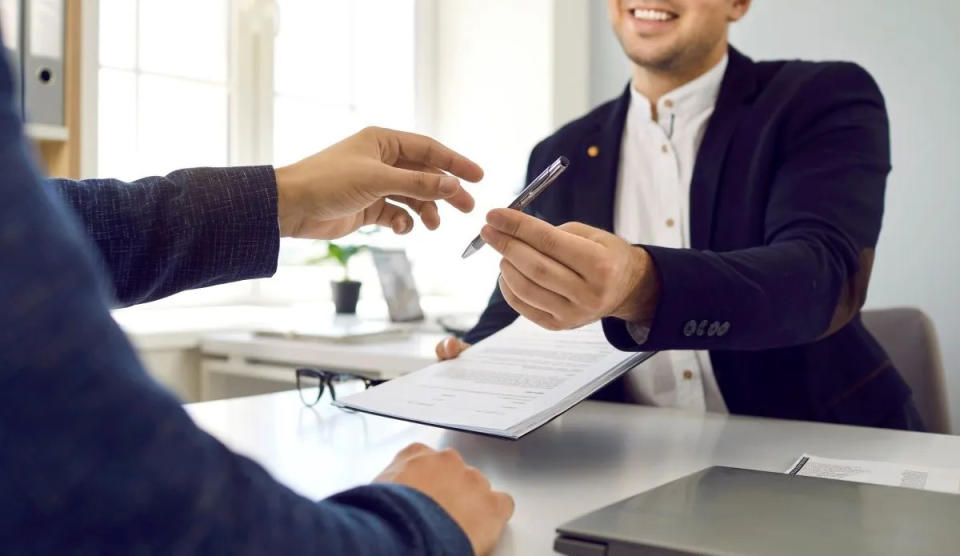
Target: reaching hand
(462,491)
(450,348)
(365,178)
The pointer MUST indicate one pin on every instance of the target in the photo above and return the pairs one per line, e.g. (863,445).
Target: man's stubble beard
(677,57)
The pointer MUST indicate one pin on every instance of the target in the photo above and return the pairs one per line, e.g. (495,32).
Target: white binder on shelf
(43,61)
(10,27)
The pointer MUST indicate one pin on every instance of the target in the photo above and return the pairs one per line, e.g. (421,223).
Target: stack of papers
(513,382)
(878,473)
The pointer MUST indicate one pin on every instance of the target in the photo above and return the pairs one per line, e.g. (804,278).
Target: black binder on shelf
(43,61)
(11,27)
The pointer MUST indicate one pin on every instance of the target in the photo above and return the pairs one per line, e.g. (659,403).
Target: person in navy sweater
(96,457)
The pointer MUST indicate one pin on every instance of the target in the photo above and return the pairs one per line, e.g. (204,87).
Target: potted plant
(345,292)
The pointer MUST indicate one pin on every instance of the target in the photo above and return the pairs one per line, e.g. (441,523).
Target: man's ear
(738,10)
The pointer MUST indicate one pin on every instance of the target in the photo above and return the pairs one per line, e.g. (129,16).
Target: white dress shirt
(653,207)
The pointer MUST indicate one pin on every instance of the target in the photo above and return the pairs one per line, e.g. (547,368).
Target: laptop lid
(399,287)
(723,510)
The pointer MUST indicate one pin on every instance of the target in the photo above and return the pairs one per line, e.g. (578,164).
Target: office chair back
(909,338)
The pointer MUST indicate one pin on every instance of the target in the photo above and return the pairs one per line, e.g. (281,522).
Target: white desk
(190,349)
(594,455)
(379,360)
(246,354)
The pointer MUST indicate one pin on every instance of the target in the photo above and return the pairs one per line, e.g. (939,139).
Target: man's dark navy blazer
(786,203)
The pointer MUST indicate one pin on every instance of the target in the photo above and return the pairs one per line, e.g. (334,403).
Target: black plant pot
(345,296)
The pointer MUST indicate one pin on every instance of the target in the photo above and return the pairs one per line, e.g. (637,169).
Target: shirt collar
(687,100)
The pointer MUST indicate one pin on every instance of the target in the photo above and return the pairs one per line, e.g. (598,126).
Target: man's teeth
(652,15)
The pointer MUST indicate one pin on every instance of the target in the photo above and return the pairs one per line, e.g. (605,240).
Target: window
(170,68)
(338,67)
(163,89)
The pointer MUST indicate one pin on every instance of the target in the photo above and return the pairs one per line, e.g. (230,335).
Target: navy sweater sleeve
(96,458)
(823,219)
(190,229)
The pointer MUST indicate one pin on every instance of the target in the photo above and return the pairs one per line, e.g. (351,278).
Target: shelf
(50,133)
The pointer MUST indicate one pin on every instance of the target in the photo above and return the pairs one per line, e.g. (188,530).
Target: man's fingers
(462,200)
(444,349)
(388,215)
(425,186)
(531,293)
(413,449)
(397,146)
(569,249)
(538,267)
(409,165)
(450,348)
(426,209)
(505,504)
(533,314)
(595,235)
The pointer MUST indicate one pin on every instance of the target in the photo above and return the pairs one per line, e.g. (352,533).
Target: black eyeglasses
(312,382)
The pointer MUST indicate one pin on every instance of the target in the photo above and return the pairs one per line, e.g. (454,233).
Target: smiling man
(722,210)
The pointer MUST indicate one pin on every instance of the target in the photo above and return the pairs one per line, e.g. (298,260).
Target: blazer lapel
(597,178)
(739,84)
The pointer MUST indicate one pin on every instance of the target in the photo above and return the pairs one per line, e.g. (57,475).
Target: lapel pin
(593,151)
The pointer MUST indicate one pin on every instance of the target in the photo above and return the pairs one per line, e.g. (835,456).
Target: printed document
(879,473)
(507,385)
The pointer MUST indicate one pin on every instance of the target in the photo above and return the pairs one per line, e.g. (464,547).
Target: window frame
(252,28)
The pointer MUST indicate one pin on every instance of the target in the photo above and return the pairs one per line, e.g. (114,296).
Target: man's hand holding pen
(567,276)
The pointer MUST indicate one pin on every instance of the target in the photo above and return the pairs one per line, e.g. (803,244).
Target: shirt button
(688,375)
(670,222)
(593,151)
(665,149)
(668,103)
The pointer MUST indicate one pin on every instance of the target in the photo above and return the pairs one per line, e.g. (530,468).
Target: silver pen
(529,193)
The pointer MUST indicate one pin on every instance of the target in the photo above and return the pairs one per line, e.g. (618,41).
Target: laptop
(723,510)
(399,288)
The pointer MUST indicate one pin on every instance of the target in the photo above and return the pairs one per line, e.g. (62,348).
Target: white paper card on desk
(512,383)
(878,473)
